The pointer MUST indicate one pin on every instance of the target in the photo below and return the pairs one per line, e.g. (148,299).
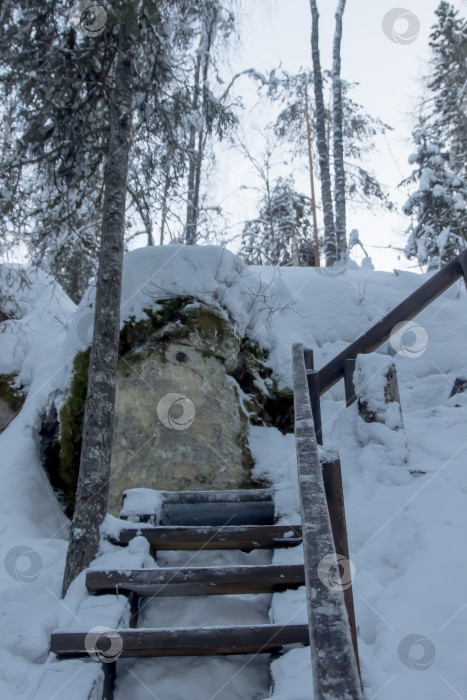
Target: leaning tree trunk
(94,470)
(330,247)
(338,137)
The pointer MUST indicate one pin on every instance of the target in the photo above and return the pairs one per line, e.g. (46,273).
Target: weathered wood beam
(335,672)
(212,580)
(217,513)
(349,369)
(244,537)
(232,496)
(405,311)
(332,478)
(202,641)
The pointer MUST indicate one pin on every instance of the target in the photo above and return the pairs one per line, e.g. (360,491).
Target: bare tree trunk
(312,182)
(190,234)
(94,471)
(338,137)
(197,153)
(165,208)
(330,244)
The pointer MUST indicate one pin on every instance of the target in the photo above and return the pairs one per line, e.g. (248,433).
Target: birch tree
(330,242)
(338,137)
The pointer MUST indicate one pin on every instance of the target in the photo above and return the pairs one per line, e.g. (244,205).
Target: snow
(405,489)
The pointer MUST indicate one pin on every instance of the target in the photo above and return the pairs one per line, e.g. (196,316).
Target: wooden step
(191,641)
(243,537)
(236,496)
(210,580)
(214,514)
(241,507)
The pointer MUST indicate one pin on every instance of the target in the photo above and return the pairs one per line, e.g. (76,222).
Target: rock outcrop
(187,386)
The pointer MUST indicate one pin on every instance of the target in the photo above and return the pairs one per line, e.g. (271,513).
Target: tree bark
(196,152)
(190,233)
(94,472)
(165,206)
(330,243)
(338,137)
(312,182)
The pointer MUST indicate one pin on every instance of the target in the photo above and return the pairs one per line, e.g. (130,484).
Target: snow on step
(212,580)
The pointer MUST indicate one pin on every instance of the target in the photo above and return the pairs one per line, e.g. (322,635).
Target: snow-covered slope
(406,531)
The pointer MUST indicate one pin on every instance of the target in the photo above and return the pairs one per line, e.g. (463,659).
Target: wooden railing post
(335,671)
(313,388)
(332,478)
(349,369)
(463,264)
(309,359)
(312,377)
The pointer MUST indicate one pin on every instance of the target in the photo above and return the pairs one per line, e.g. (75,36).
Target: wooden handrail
(404,312)
(335,672)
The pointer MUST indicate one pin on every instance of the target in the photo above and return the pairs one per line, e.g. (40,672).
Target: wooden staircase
(186,511)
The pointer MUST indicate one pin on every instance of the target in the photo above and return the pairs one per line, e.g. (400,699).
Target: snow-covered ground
(406,514)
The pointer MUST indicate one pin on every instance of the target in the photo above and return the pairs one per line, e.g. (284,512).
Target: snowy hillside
(406,518)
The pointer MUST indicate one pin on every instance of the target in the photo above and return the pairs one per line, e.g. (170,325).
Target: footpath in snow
(406,514)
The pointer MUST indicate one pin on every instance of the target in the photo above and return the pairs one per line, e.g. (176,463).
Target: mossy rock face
(11,399)
(179,420)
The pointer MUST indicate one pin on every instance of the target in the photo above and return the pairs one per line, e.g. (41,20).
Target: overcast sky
(389,74)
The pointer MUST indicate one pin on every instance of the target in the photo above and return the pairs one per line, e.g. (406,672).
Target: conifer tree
(439,204)
(280,235)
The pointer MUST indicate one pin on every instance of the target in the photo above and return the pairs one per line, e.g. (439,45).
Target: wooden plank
(332,479)
(335,672)
(203,641)
(109,681)
(232,496)
(349,369)
(209,580)
(313,390)
(244,537)
(216,513)
(405,311)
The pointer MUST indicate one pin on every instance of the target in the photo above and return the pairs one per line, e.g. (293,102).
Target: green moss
(173,320)
(170,313)
(268,405)
(71,430)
